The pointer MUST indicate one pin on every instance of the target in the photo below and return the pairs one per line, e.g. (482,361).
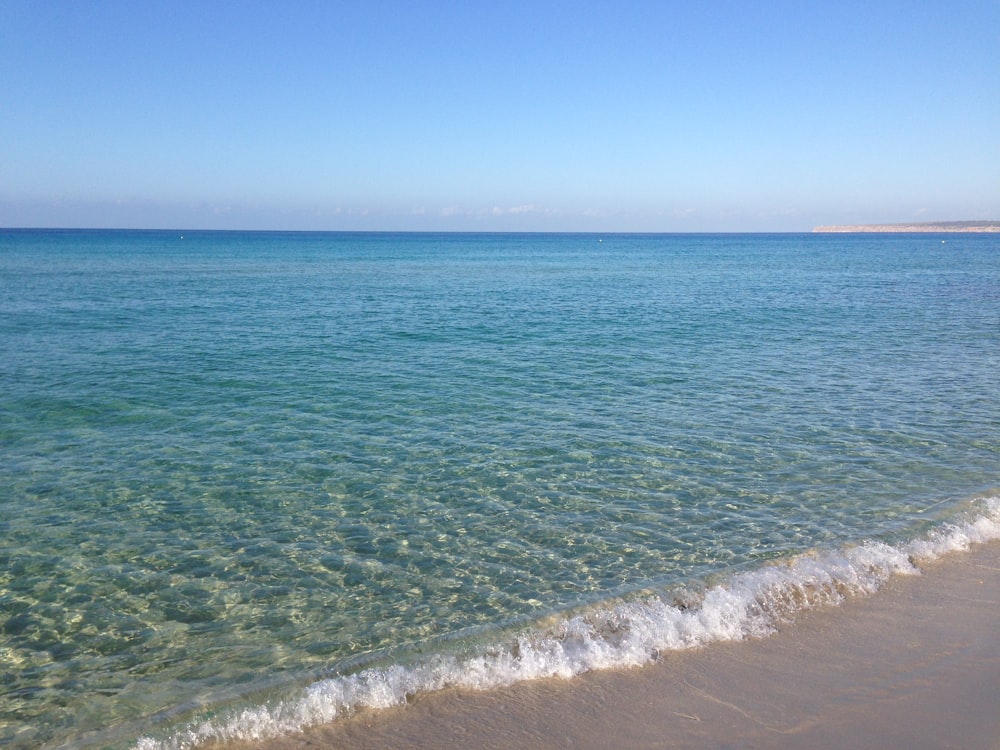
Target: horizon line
(496,231)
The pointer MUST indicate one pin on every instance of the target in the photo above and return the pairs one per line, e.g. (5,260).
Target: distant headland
(934,226)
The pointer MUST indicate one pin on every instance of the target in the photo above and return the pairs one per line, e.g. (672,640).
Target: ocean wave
(749,604)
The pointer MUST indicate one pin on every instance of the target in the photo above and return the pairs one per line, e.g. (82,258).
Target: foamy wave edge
(749,604)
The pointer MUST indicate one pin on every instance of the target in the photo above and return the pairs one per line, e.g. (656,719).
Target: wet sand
(915,666)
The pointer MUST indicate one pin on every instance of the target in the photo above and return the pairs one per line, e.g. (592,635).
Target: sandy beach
(917,665)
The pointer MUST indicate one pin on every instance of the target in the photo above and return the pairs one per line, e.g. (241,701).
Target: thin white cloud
(523,210)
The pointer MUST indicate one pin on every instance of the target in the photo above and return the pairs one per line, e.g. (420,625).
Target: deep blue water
(235,464)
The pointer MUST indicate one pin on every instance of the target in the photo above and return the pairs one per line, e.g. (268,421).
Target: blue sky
(496,116)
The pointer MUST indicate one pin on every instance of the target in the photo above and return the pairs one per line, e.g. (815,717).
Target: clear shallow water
(236,464)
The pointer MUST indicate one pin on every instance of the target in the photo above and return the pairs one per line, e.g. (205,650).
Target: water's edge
(748,604)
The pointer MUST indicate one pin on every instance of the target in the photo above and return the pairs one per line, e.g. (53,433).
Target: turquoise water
(234,466)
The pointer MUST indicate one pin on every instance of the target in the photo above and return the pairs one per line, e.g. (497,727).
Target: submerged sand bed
(917,665)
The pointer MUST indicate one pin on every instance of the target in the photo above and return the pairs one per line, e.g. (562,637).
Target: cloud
(528,209)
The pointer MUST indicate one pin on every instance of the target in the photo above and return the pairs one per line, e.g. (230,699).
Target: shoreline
(933,227)
(915,665)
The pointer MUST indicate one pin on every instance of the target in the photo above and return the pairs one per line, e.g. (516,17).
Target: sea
(251,482)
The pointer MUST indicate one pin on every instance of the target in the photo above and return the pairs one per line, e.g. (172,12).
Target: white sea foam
(748,604)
